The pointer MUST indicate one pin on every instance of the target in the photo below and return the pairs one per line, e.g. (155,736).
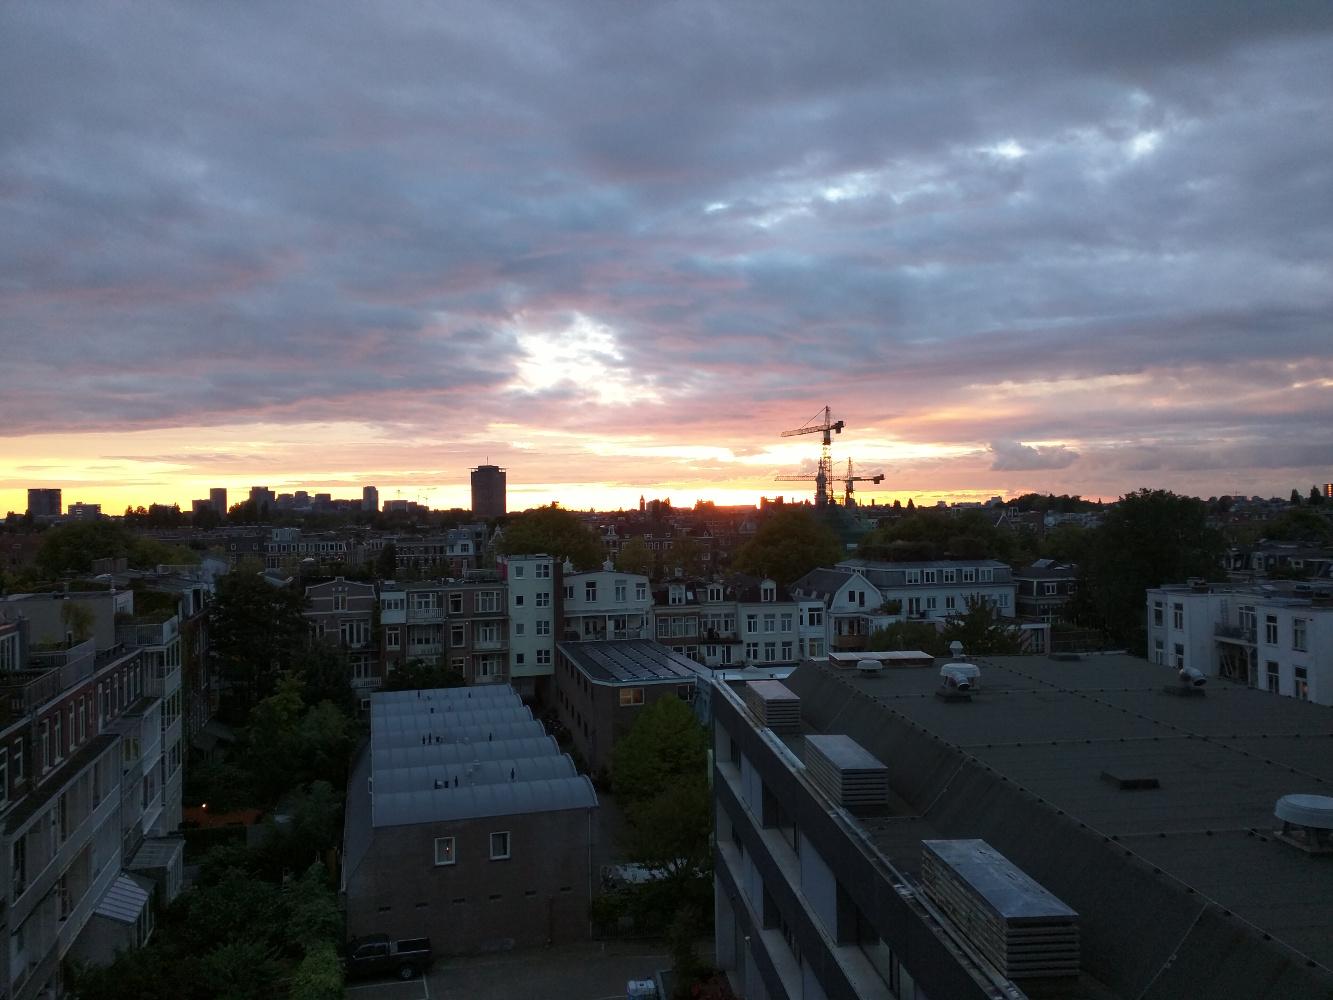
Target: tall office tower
(488,491)
(370,499)
(44,503)
(217,496)
(262,495)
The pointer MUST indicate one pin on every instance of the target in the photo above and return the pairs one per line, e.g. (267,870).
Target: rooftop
(1048,762)
(630,661)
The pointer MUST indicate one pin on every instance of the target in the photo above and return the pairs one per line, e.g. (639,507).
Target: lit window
(631,696)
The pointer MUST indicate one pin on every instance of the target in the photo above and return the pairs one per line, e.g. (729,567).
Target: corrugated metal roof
(470,773)
(124,901)
(482,733)
(470,802)
(417,755)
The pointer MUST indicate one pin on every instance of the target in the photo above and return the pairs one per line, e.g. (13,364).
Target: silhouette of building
(45,503)
(488,491)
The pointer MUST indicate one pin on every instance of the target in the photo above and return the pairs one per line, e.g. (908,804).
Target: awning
(125,900)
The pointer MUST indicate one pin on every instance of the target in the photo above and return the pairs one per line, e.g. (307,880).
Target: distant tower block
(217,496)
(44,503)
(488,491)
(370,499)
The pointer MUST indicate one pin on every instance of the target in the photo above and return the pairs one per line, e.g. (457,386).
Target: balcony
(425,614)
(850,643)
(148,633)
(425,648)
(1234,633)
(481,645)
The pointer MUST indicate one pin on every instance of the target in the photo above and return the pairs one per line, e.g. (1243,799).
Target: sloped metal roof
(470,802)
(419,755)
(464,774)
(124,901)
(631,661)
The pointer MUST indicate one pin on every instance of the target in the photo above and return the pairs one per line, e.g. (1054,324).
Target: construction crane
(850,480)
(828,427)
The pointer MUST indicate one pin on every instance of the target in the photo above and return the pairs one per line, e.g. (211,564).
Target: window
(590,591)
(969,575)
(631,696)
(518,659)
(488,601)
(714,592)
(455,604)
(641,591)
(1270,629)
(518,629)
(751,652)
(816,648)
(1051,589)
(622,593)
(46,744)
(814,617)
(913,576)
(393,638)
(751,623)
(518,572)
(770,623)
(500,846)
(1178,616)
(457,635)
(444,851)
(770,652)
(985,575)
(543,599)
(59,738)
(1157,617)
(768,593)
(1179,656)
(1302,684)
(1271,676)
(784,624)
(786,650)
(18,866)
(569,592)
(1298,634)
(542,571)
(950,603)
(544,656)
(930,603)
(518,600)
(542,627)
(339,602)
(949,575)
(1159,652)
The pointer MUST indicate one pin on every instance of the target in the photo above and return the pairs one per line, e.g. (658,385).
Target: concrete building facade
(488,492)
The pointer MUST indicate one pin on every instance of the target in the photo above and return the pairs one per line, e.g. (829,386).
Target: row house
(534,602)
(289,550)
(1276,637)
(740,621)
(459,624)
(1044,588)
(604,604)
(859,595)
(342,612)
(455,553)
(83,803)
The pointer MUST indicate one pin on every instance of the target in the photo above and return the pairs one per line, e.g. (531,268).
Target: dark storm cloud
(944,218)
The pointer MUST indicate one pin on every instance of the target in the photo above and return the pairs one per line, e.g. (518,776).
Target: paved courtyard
(591,970)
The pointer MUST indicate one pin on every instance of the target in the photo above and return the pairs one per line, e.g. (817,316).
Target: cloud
(1014,456)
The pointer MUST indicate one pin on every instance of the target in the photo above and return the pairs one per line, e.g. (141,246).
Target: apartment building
(604,604)
(342,612)
(1276,636)
(83,802)
(1044,588)
(533,583)
(1082,795)
(461,625)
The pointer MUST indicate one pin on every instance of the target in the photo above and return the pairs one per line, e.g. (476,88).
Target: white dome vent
(1307,822)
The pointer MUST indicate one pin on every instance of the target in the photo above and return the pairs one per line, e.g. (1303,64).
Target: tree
(387,563)
(687,555)
(77,619)
(668,831)
(555,532)
(666,741)
(635,557)
(1295,497)
(1149,538)
(980,631)
(326,673)
(788,545)
(418,675)
(1316,498)
(908,635)
(255,629)
(71,548)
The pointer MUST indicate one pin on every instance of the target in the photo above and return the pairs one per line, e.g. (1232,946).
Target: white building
(1275,636)
(532,580)
(606,604)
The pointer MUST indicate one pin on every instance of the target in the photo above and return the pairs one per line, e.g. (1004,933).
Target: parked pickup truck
(377,955)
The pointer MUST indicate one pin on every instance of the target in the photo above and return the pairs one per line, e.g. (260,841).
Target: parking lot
(592,970)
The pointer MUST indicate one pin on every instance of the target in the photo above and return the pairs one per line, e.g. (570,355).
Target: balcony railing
(1238,632)
(488,645)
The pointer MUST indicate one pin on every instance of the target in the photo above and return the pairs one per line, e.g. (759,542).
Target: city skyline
(618,250)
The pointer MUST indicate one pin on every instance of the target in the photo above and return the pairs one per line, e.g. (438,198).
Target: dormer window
(768,592)
(714,593)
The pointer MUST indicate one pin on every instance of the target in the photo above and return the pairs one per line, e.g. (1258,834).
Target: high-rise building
(44,503)
(85,511)
(262,496)
(488,491)
(1328,490)
(370,499)
(217,496)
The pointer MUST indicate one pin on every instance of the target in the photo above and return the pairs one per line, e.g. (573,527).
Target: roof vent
(1191,683)
(1307,822)
(1128,782)
(958,681)
(846,772)
(869,667)
(774,705)
(1024,930)
(956,649)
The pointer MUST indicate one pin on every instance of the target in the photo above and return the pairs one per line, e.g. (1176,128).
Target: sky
(618,248)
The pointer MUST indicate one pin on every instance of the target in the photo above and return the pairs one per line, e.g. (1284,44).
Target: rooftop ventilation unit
(1019,926)
(774,705)
(958,681)
(869,668)
(846,772)
(1307,822)
(1191,683)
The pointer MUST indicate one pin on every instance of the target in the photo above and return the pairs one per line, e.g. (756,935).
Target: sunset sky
(619,247)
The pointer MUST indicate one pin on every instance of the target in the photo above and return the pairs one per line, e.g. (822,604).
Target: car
(378,955)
